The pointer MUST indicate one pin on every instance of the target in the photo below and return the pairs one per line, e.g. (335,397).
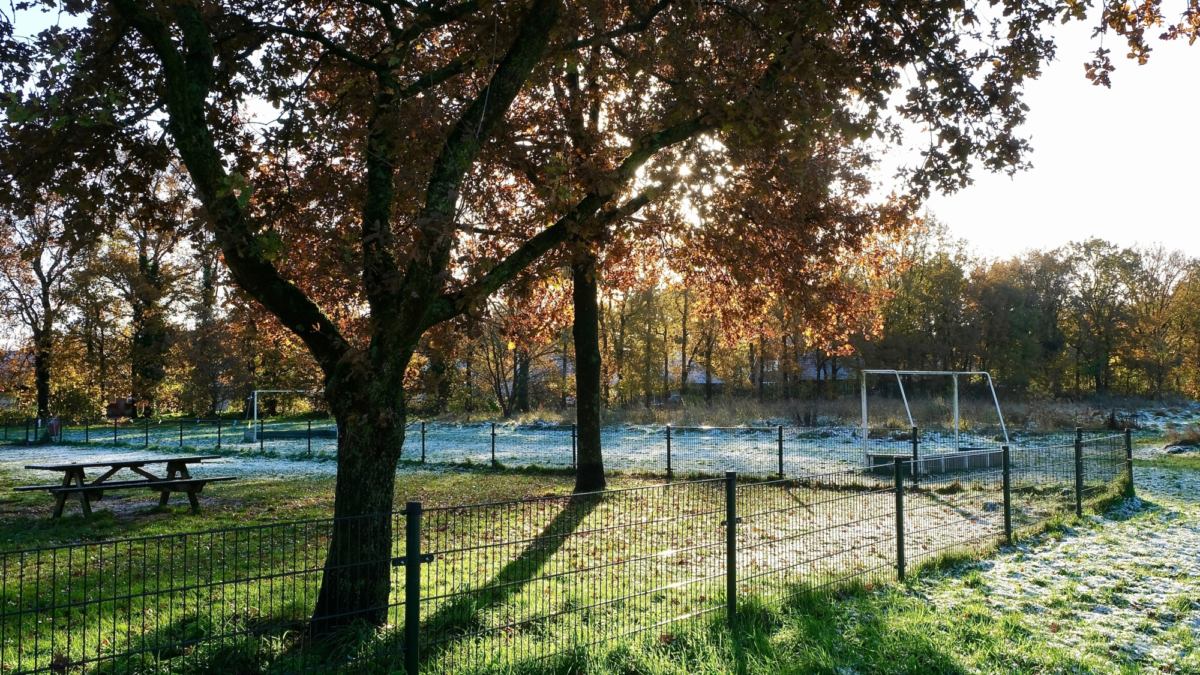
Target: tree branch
(185,90)
(635,27)
(329,44)
(583,215)
(424,275)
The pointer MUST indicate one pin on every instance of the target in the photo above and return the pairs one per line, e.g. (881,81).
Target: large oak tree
(426,154)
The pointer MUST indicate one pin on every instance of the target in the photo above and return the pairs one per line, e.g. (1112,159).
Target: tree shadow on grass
(461,615)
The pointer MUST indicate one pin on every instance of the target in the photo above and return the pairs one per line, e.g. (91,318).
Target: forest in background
(149,313)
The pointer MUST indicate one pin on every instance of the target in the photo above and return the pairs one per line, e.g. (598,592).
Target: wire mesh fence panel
(1103,461)
(1043,483)
(952,504)
(504,584)
(816,531)
(535,445)
(450,443)
(751,451)
(232,599)
(816,450)
(526,580)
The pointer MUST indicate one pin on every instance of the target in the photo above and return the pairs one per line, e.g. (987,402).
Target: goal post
(251,433)
(898,374)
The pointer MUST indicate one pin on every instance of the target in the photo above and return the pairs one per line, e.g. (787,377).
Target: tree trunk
(683,352)
(589,476)
(41,373)
(563,392)
(356,582)
(762,358)
(708,383)
(666,363)
(647,366)
(521,381)
(149,341)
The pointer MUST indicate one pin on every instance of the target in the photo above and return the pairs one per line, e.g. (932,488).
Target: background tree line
(1089,317)
(148,314)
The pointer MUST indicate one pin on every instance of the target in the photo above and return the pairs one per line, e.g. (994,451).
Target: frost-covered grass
(1114,593)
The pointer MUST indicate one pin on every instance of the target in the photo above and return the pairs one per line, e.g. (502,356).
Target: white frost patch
(1118,596)
(15,458)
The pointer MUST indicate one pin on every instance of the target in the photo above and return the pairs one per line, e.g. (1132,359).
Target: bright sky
(1120,164)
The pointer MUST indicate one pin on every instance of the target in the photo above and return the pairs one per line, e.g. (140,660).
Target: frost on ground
(1122,593)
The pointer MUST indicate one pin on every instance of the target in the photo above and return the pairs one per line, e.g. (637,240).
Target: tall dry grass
(936,412)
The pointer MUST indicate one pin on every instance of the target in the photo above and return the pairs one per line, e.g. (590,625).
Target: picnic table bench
(75,484)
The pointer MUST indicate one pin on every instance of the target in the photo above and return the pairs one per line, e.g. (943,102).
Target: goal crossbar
(953,374)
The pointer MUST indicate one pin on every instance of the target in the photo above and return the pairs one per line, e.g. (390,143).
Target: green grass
(25,522)
(506,569)
(1185,462)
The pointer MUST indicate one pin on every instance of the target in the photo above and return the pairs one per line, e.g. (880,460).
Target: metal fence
(677,452)
(492,586)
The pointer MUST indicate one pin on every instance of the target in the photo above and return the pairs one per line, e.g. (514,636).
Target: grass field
(498,571)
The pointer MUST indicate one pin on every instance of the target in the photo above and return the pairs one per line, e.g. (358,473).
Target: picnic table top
(121,463)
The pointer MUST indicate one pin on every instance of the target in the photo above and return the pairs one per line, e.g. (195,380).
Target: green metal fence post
(26,431)
(146,427)
(86,431)
(1007,473)
(412,586)
(731,544)
(574,444)
(422,442)
(898,470)
(1078,472)
(493,445)
(114,432)
(668,452)
(779,442)
(260,435)
(1129,459)
(218,431)
(310,437)
(181,433)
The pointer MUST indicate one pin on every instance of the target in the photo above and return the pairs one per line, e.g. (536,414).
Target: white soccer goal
(898,374)
(251,433)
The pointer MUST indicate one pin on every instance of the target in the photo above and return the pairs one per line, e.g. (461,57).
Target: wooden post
(422,442)
(181,433)
(114,432)
(146,428)
(310,438)
(218,432)
(898,469)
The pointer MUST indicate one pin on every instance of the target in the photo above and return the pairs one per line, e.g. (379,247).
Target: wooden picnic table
(76,485)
